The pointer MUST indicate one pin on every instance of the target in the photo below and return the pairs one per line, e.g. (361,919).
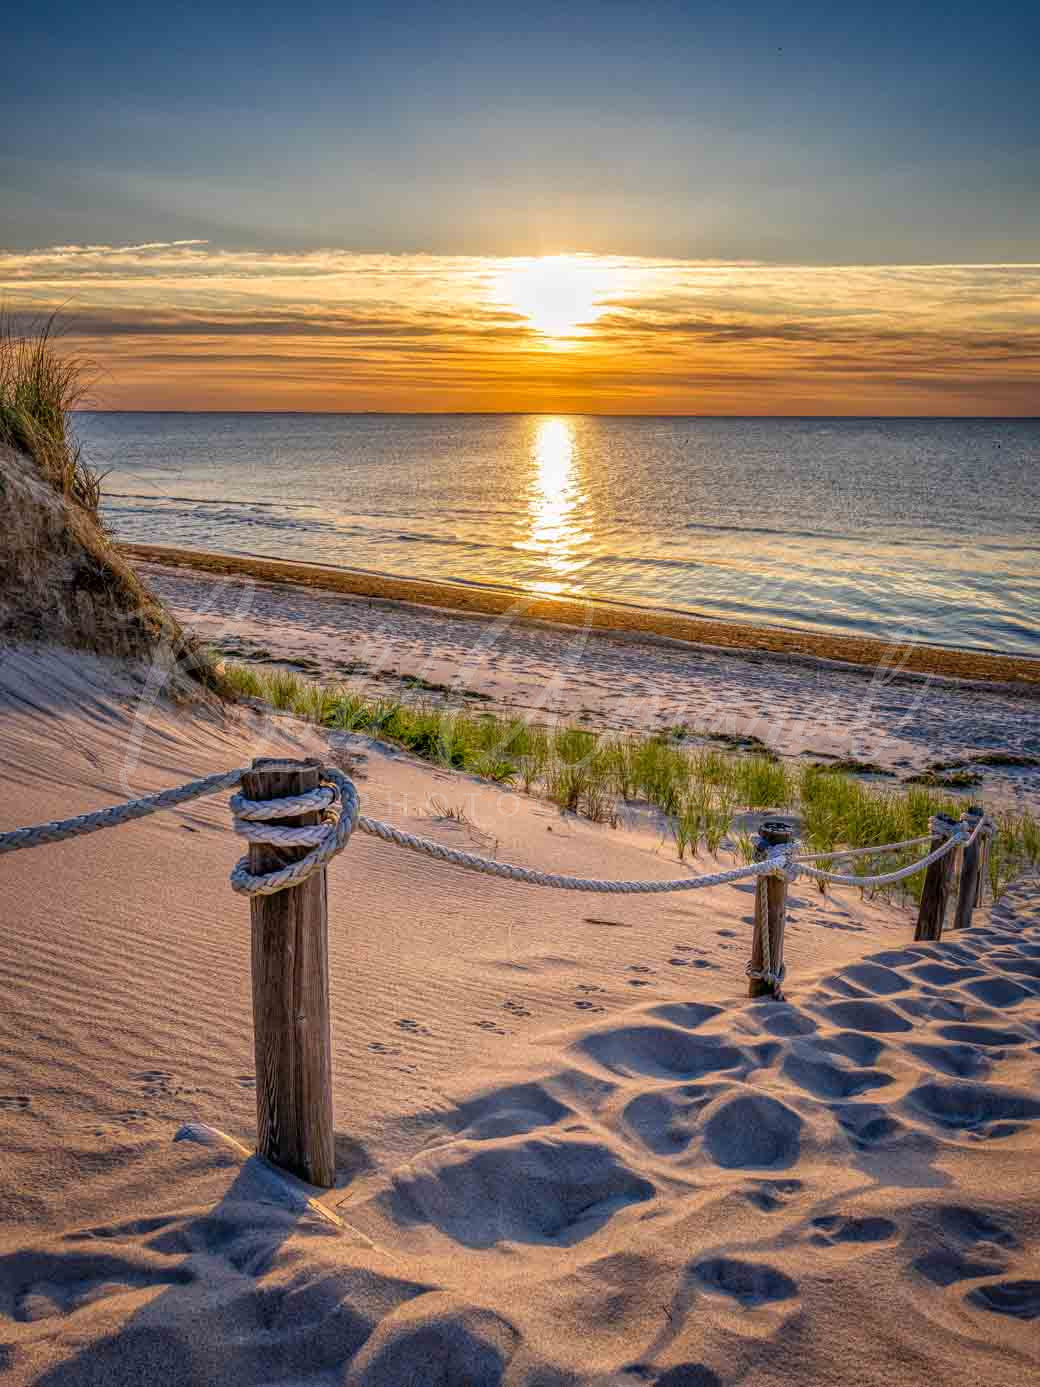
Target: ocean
(925,529)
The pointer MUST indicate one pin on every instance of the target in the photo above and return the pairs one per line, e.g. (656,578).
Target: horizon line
(552,413)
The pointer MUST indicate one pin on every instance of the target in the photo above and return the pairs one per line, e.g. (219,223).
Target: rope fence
(254,820)
(283,874)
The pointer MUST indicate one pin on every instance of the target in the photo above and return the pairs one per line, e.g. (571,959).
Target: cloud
(187,324)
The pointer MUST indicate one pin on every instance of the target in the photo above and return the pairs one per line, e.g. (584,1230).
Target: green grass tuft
(699,790)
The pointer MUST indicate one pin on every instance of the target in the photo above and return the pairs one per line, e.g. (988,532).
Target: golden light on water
(560,295)
(556,504)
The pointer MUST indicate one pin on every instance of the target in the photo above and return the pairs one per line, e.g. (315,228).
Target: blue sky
(809,133)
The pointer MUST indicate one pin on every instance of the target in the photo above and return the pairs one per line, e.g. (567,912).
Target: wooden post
(291,993)
(936,891)
(770,911)
(983,841)
(971,864)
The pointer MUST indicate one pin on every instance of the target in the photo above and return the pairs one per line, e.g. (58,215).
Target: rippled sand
(569,1150)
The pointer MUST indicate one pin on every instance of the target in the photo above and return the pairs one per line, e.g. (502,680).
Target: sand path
(580,1155)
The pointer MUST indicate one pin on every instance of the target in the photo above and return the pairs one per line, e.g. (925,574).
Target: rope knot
(336,799)
(780,863)
(768,975)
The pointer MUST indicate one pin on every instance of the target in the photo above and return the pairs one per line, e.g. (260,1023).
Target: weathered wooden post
(984,845)
(767,945)
(971,865)
(290,961)
(936,891)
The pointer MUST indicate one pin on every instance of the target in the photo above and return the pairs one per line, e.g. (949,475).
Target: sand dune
(569,1150)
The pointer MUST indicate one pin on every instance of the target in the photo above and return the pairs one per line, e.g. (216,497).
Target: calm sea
(923,528)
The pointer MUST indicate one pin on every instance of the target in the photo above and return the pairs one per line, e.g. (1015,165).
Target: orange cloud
(183,325)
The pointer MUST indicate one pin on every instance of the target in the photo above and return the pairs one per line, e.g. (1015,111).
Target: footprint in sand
(998,992)
(982,1109)
(972,1225)
(770,1195)
(866,1016)
(825,1079)
(982,1035)
(868,1125)
(156,1083)
(1018,1298)
(750,1283)
(944,1266)
(413,1027)
(753,1130)
(682,1375)
(63,1287)
(834,1228)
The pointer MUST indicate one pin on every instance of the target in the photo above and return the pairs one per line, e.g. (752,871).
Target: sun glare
(560,295)
(556,505)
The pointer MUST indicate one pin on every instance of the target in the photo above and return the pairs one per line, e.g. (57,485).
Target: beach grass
(697,790)
(40,386)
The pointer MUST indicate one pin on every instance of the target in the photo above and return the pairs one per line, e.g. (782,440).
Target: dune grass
(697,790)
(40,386)
(61,578)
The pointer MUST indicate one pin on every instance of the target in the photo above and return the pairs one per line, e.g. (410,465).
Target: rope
(780,856)
(337,800)
(840,856)
(884,878)
(252,821)
(58,831)
(389,834)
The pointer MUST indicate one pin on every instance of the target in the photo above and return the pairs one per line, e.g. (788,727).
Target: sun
(560,295)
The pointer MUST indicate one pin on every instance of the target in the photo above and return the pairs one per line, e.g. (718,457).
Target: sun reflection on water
(556,506)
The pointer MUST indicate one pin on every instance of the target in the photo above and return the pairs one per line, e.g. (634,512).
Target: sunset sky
(610,207)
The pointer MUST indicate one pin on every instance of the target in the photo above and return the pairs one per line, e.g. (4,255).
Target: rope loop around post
(338,801)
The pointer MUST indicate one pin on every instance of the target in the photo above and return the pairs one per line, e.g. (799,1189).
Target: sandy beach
(799,702)
(605,616)
(568,1149)
(520,696)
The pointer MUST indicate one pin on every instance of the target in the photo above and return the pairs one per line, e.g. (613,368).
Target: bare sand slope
(569,1151)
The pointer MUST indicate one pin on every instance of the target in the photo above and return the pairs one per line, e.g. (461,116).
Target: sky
(654,207)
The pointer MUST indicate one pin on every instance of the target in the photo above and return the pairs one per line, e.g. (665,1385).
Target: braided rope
(252,821)
(337,800)
(58,830)
(883,878)
(842,855)
(389,834)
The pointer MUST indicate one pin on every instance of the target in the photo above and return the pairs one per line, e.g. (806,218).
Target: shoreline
(607,616)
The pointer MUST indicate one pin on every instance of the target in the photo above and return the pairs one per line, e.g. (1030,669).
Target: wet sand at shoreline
(602,615)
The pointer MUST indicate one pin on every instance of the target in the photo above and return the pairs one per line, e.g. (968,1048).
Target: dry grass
(40,386)
(61,578)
